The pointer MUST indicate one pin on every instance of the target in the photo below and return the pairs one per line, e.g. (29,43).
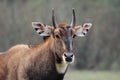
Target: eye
(74,36)
(57,36)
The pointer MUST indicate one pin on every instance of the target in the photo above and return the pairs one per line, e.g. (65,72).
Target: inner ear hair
(77,27)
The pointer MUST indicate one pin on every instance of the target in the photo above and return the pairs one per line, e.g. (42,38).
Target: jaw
(62,67)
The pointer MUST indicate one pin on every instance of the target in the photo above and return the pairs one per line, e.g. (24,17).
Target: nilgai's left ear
(41,29)
(82,30)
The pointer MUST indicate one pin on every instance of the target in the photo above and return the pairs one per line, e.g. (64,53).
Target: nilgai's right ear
(41,29)
(83,30)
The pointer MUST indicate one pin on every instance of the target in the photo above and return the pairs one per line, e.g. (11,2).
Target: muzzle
(69,57)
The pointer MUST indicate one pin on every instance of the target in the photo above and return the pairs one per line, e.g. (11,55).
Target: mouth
(68,59)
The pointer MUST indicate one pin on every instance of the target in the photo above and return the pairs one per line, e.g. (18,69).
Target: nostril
(68,59)
(71,55)
(65,55)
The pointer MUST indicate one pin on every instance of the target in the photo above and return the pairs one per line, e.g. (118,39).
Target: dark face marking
(64,43)
(66,35)
(67,40)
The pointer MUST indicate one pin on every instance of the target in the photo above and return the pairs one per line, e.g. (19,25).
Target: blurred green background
(98,53)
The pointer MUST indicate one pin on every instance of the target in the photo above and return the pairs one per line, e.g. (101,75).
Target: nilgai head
(63,35)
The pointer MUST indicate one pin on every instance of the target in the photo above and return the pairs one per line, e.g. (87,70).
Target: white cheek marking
(73,59)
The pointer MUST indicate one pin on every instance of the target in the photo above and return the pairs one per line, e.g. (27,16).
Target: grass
(92,75)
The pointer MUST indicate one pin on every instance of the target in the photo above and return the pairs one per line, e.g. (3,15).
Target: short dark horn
(73,22)
(53,19)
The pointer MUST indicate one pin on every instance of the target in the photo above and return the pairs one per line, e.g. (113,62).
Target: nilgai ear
(82,30)
(41,29)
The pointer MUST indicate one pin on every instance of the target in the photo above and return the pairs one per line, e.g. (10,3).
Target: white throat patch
(61,68)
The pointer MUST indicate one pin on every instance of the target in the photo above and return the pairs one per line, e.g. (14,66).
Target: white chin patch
(61,68)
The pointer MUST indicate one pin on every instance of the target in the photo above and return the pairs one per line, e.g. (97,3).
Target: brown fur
(63,25)
(7,57)
(34,62)
(20,58)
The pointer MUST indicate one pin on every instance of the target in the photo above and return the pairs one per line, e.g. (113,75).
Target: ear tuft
(84,29)
(41,29)
(87,25)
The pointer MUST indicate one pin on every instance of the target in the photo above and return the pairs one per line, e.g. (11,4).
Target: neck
(61,66)
(44,62)
(49,45)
